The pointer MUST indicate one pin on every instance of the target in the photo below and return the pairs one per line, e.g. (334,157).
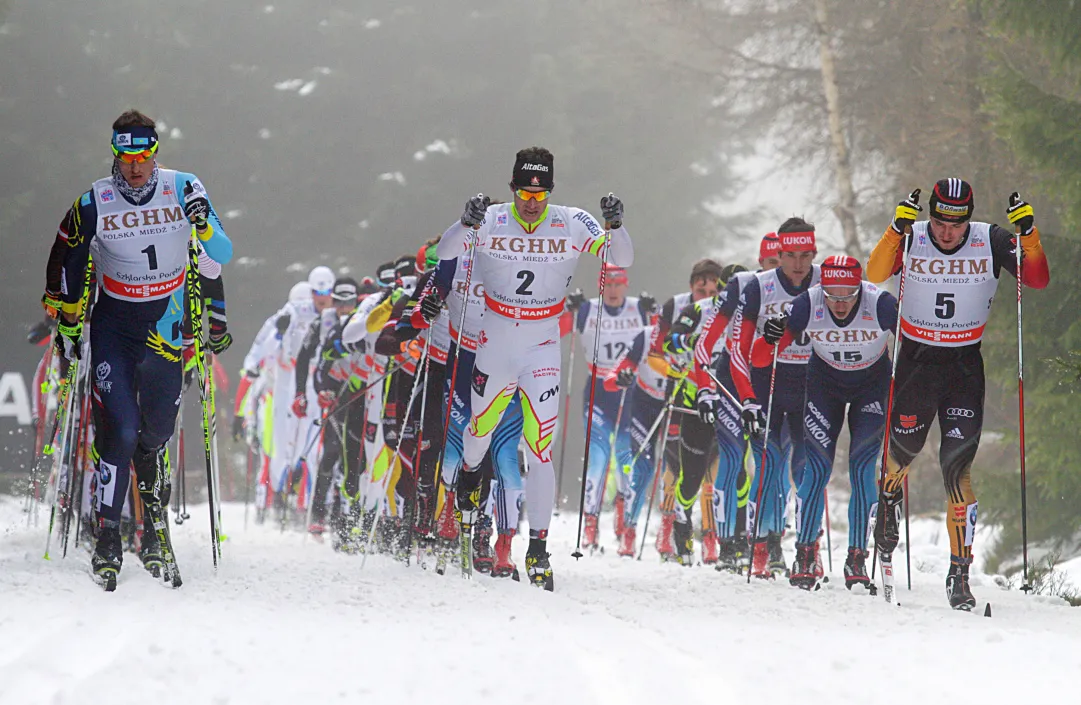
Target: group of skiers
(400,412)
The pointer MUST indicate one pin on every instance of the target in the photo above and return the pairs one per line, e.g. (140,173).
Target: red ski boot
(760,561)
(620,525)
(589,537)
(627,543)
(504,564)
(447,525)
(664,537)
(711,549)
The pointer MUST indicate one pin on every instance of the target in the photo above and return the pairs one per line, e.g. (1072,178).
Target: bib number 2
(527,278)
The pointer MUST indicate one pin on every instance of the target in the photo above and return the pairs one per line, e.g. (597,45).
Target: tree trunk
(845,210)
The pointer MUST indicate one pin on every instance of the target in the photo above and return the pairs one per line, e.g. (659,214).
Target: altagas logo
(535,167)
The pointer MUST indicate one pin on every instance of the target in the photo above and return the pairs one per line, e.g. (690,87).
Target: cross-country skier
(526,252)
(769,294)
(142,220)
(952,272)
(848,322)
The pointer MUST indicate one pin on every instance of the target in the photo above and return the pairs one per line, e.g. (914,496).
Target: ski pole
(829,529)
(611,449)
(418,431)
(658,468)
(566,416)
(752,534)
(1015,198)
(77,454)
(887,560)
(908,541)
(592,389)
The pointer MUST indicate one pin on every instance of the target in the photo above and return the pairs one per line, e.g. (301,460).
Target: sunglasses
(134,157)
(532,195)
(844,298)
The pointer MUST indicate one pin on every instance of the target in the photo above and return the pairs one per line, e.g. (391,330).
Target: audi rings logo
(960,413)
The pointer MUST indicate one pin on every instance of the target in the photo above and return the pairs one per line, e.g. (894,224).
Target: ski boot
(504,565)
(887,523)
(729,552)
(710,548)
(150,547)
(664,537)
(316,531)
(802,574)
(760,561)
(820,568)
(958,591)
(589,533)
(682,534)
(621,526)
(483,560)
(108,555)
(856,569)
(537,567)
(467,512)
(627,542)
(445,526)
(776,555)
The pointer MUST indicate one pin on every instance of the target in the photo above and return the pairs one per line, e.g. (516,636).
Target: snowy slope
(289,621)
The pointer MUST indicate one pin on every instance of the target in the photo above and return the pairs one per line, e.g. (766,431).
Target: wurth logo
(908,421)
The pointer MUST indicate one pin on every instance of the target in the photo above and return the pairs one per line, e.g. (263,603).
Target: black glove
(575,299)
(773,329)
(612,210)
(282,323)
(1020,214)
(709,405)
(238,428)
(430,307)
(68,340)
(647,303)
(390,437)
(475,208)
(907,211)
(754,419)
(196,208)
(625,377)
(219,342)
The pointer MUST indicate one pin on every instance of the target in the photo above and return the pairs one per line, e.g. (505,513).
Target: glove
(709,405)
(398,293)
(68,341)
(773,329)
(355,383)
(282,324)
(219,342)
(238,427)
(647,303)
(196,208)
(475,209)
(251,374)
(612,210)
(575,299)
(430,308)
(327,399)
(189,363)
(1020,214)
(51,303)
(907,211)
(300,406)
(625,377)
(754,420)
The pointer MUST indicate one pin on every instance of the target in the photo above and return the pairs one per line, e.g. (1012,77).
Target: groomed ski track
(286,620)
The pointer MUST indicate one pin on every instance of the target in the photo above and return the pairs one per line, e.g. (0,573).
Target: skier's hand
(188,355)
(327,399)
(51,302)
(196,207)
(430,306)
(625,377)
(907,211)
(708,404)
(773,329)
(754,419)
(612,210)
(475,209)
(390,436)
(68,340)
(300,406)
(219,341)
(1020,214)
(282,324)
(355,383)
(575,299)
(647,303)
(238,427)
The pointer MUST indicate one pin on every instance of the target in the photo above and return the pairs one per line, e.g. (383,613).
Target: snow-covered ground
(286,620)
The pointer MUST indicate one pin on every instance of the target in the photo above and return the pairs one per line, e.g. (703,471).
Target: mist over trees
(345,133)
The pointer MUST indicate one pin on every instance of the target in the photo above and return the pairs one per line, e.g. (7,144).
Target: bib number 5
(945,306)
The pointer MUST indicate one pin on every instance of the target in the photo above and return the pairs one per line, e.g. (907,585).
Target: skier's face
(841,299)
(321,301)
(136,173)
(948,235)
(703,288)
(530,209)
(615,292)
(797,265)
(768,263)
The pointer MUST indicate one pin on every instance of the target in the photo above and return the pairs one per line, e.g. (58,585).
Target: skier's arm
(77,230)
(887,311)
(681,338)
(255,352)
(306,353)
(744,327)
(795,324)
(589,237)
(215,242)
(713,328)
(1034,270)
(457,239)
(886,257)
(392,339)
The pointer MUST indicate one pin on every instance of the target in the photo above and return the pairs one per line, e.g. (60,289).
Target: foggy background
(345,133)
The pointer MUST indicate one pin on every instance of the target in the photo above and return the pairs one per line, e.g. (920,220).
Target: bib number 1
(151,256)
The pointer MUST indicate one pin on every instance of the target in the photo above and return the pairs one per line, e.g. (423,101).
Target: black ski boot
(467,512)
(888,522)
(683,539)
(957,590)
(538,569)
(856,569)
(483,559)
(108,555)
(728,559)
(150,549)
(803,570)
(777,564)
